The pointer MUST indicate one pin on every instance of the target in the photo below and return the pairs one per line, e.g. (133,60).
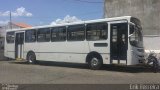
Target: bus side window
(76,32)
(10,36)
(58,34)
(30,36)
(97,31)
(43,35)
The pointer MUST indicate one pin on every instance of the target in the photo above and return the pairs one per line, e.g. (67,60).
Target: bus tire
(95,62)
(31,58)
(155,65)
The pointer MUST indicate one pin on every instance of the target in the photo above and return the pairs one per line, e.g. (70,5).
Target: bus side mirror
(132,28)
(130,35)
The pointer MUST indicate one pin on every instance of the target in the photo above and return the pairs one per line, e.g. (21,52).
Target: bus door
(119,41)
(19,42)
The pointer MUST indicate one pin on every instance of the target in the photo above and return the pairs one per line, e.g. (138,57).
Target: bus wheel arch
(31,57)
(94,60)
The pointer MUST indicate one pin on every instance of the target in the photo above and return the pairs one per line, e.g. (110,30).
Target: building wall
(6,27)
(148,11)
(3,31)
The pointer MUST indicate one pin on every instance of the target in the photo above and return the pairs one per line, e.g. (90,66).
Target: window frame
(84,32)
(32,34)
(13,41)
(106,25)
(43,30)
(57,29)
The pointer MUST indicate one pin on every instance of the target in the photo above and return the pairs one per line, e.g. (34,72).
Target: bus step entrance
(20,60)
(123,62)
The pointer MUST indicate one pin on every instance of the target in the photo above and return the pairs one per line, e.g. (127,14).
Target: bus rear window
(10,37)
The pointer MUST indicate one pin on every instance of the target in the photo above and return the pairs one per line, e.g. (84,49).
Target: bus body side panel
(30,47)
(132,58)
(133,54)
(102,47)
(10,50)
(69,51)
(77,50)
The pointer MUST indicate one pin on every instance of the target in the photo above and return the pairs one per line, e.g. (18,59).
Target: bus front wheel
(31,58)
(95,62)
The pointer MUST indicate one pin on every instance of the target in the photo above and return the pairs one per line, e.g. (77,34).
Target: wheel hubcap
(30,58)
(94,62)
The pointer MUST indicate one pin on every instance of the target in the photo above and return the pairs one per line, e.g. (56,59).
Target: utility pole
(10,18)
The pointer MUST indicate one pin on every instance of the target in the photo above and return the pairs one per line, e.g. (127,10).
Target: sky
(43,12)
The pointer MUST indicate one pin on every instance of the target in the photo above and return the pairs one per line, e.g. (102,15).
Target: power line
(10,18)
(85,1)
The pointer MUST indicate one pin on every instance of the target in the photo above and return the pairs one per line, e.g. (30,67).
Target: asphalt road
(64,73)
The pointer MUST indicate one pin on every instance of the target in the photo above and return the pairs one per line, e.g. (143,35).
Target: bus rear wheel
(31,58)
(95,63)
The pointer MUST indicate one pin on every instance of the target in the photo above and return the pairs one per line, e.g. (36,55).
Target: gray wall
(1,43)
(152,43)
(2,31)
(148,11)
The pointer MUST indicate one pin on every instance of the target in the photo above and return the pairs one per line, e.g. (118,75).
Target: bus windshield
(136,38)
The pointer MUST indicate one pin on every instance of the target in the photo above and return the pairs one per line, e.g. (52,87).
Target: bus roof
(74,23)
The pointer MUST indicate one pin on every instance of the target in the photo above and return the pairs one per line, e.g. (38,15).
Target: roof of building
(22,25)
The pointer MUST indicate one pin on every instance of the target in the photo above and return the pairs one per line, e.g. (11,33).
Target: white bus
(96,42)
